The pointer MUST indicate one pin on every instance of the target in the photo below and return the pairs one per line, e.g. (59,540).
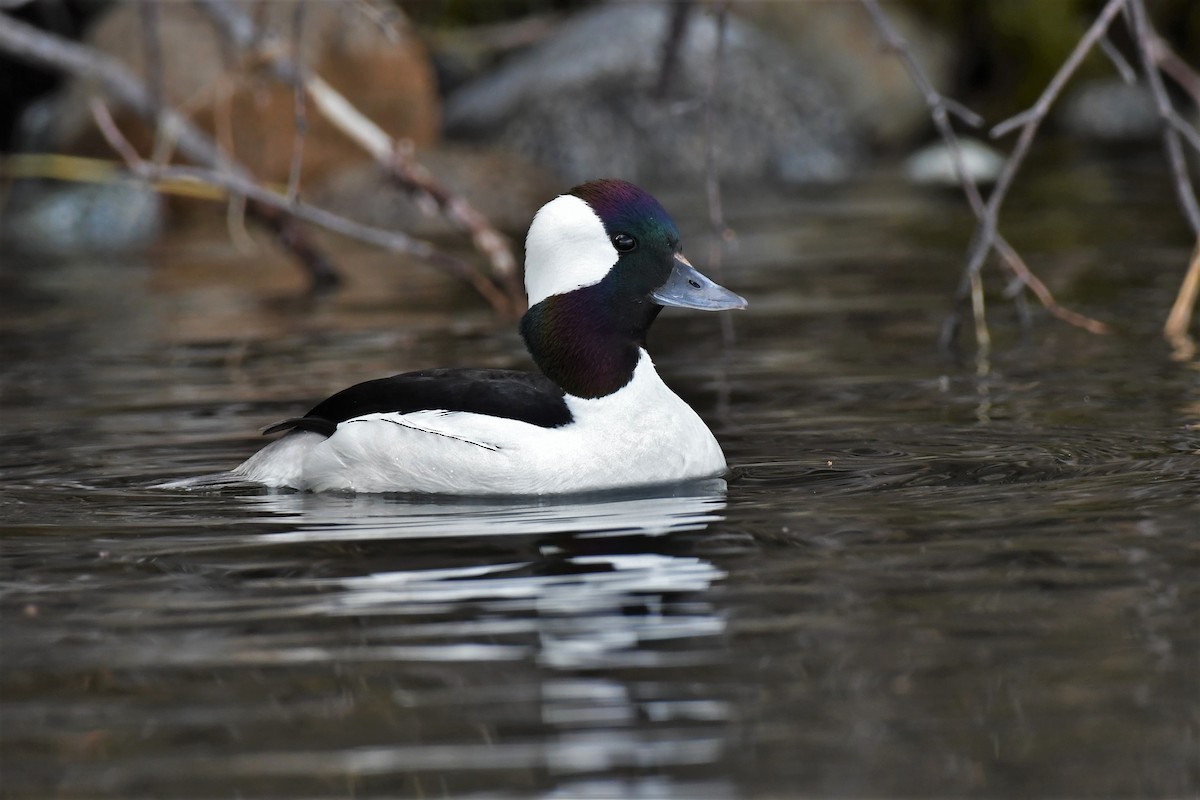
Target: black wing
(504,393)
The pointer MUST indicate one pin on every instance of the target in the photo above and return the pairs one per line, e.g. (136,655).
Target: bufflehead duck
(600,262)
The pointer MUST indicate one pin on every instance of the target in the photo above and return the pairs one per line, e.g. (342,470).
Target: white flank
(642,434)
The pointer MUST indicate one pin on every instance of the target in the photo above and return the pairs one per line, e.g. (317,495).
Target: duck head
(600,262)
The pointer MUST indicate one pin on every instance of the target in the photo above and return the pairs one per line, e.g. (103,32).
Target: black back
(522,396)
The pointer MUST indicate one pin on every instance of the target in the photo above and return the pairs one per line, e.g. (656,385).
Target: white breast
(642,434)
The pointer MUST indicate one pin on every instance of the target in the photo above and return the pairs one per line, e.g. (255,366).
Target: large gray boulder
(582,103)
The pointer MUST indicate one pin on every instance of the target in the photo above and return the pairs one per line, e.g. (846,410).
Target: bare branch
(985,238)
(300,120)
(1012,123)
(216,167)
(940,109)
(719,231)
(383,17)
(1185,128)
(1175,331)
(1152,52)
(243,187)
(1114,55)
(394,157)
(1174,66)
(681,13)
(148,16)
(939,106)
(966,115)
(1026,277)
(47,50)
(1029,128)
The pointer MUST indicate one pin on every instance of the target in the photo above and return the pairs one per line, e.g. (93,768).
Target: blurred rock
(504,188)
(66,218)
(461,54)
(839,43)
(1111,111)
(391,82)
(582,103)
(935,165)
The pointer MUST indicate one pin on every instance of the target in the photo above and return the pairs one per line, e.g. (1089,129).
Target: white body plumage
(642,434)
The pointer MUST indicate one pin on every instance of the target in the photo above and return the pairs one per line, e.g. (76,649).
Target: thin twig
(1029,128)
(1151,53)
(941,108)
(241,186)
(384,18)
(152,43)
(939,105)
(1185,128)
(1114,55)
(1029,122)
(34,46)
(983,338)
(1174,66)
(300,120)
(217,168)
(1175,331)
(681,14)
(718,230)
(939,111)
(1155,56)
(1027,278)
(394,157)
(29,44)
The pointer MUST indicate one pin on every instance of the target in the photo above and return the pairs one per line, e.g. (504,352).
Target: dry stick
(383,18)
(1153,54)
(397,162)
(394,157)
(718,229)
(1027,278)
(1174,66)
(681,13)
(1185,128)
(1147,39)
(47,50)
(153,66)
(29,44)
(246,187)
(1176,327)
(223,89)
(152,69)
(1029,121)
(941,108)
(1114,55)
(299,118)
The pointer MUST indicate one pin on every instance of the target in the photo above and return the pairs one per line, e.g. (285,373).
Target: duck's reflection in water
(573,621)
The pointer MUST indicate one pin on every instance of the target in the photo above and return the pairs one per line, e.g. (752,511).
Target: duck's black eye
(623,242)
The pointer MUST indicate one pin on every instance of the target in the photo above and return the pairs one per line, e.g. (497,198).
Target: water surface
(917,579)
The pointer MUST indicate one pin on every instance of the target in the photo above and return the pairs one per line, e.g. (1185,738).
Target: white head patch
(566,249)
